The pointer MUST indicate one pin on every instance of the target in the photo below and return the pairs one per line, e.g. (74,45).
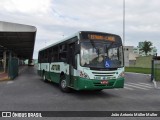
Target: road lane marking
(141,85)
(129,88)
(9,82)
(136,87)
(146,84)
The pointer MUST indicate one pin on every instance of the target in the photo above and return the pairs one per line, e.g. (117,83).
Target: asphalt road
(29,93)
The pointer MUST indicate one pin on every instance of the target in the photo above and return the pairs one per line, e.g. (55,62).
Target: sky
(57,19)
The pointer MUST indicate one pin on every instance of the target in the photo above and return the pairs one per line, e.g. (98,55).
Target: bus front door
(71,63)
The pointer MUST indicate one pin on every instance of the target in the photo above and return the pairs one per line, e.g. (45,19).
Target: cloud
(57,18)
(26,6)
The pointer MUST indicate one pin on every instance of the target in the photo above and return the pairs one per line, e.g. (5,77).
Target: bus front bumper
(90,84)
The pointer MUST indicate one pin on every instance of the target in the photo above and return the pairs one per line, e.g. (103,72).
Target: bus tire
(98,90)
(44,77)
(63,85)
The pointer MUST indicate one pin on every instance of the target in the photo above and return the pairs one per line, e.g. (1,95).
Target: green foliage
(146,47)
(138,70)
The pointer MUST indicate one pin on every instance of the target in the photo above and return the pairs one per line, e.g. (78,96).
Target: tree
(146,47)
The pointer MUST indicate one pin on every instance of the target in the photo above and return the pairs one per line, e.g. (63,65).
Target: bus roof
(76,34)
(56,43)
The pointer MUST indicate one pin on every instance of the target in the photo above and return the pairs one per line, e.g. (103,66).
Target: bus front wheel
(63,85)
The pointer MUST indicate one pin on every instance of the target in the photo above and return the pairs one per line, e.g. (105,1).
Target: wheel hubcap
(44,78)
(63,83)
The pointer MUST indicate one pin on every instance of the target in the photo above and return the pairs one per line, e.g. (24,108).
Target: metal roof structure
(18,38)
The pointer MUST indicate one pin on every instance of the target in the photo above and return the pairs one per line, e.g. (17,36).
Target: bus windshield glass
(101,54)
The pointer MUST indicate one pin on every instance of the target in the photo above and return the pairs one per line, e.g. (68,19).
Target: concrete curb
(5,79)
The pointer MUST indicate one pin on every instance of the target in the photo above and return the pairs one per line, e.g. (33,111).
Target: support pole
(9,65)
(4,61)
(124,22)
(152,70)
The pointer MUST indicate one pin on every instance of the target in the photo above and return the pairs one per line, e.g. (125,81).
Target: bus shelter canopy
(18,38)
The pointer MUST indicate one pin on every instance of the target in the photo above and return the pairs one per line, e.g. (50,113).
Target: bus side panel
(56,69)
(39,71)
(44,69)
(119,83)
(55,77)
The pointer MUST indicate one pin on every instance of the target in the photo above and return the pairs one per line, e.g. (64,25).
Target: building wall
(143,62)
(127,50)
(131,56)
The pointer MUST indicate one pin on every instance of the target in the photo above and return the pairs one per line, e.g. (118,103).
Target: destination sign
(101,37)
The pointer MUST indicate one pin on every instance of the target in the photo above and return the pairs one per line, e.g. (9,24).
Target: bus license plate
(104,82)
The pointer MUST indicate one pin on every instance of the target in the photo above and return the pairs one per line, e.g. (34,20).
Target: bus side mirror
(77,49)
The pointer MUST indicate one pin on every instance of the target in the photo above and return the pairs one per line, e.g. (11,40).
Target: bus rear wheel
(63,85)
(44,77)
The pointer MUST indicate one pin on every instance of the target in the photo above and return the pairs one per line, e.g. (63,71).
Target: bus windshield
(101,54)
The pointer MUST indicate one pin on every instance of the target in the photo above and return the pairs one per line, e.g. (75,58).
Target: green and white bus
(88,60)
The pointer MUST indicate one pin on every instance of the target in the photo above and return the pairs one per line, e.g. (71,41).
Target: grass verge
(144,71)
(138,70)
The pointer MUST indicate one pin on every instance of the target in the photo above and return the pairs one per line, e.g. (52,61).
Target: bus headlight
(83,75)
(121,75)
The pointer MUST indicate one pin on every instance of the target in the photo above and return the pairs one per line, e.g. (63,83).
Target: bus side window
(42,57)
(39,57)
(63,53)
(46,56)
(71,55)
(50,55)
(54,55)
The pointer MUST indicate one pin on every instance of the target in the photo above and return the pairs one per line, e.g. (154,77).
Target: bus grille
(104,75)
